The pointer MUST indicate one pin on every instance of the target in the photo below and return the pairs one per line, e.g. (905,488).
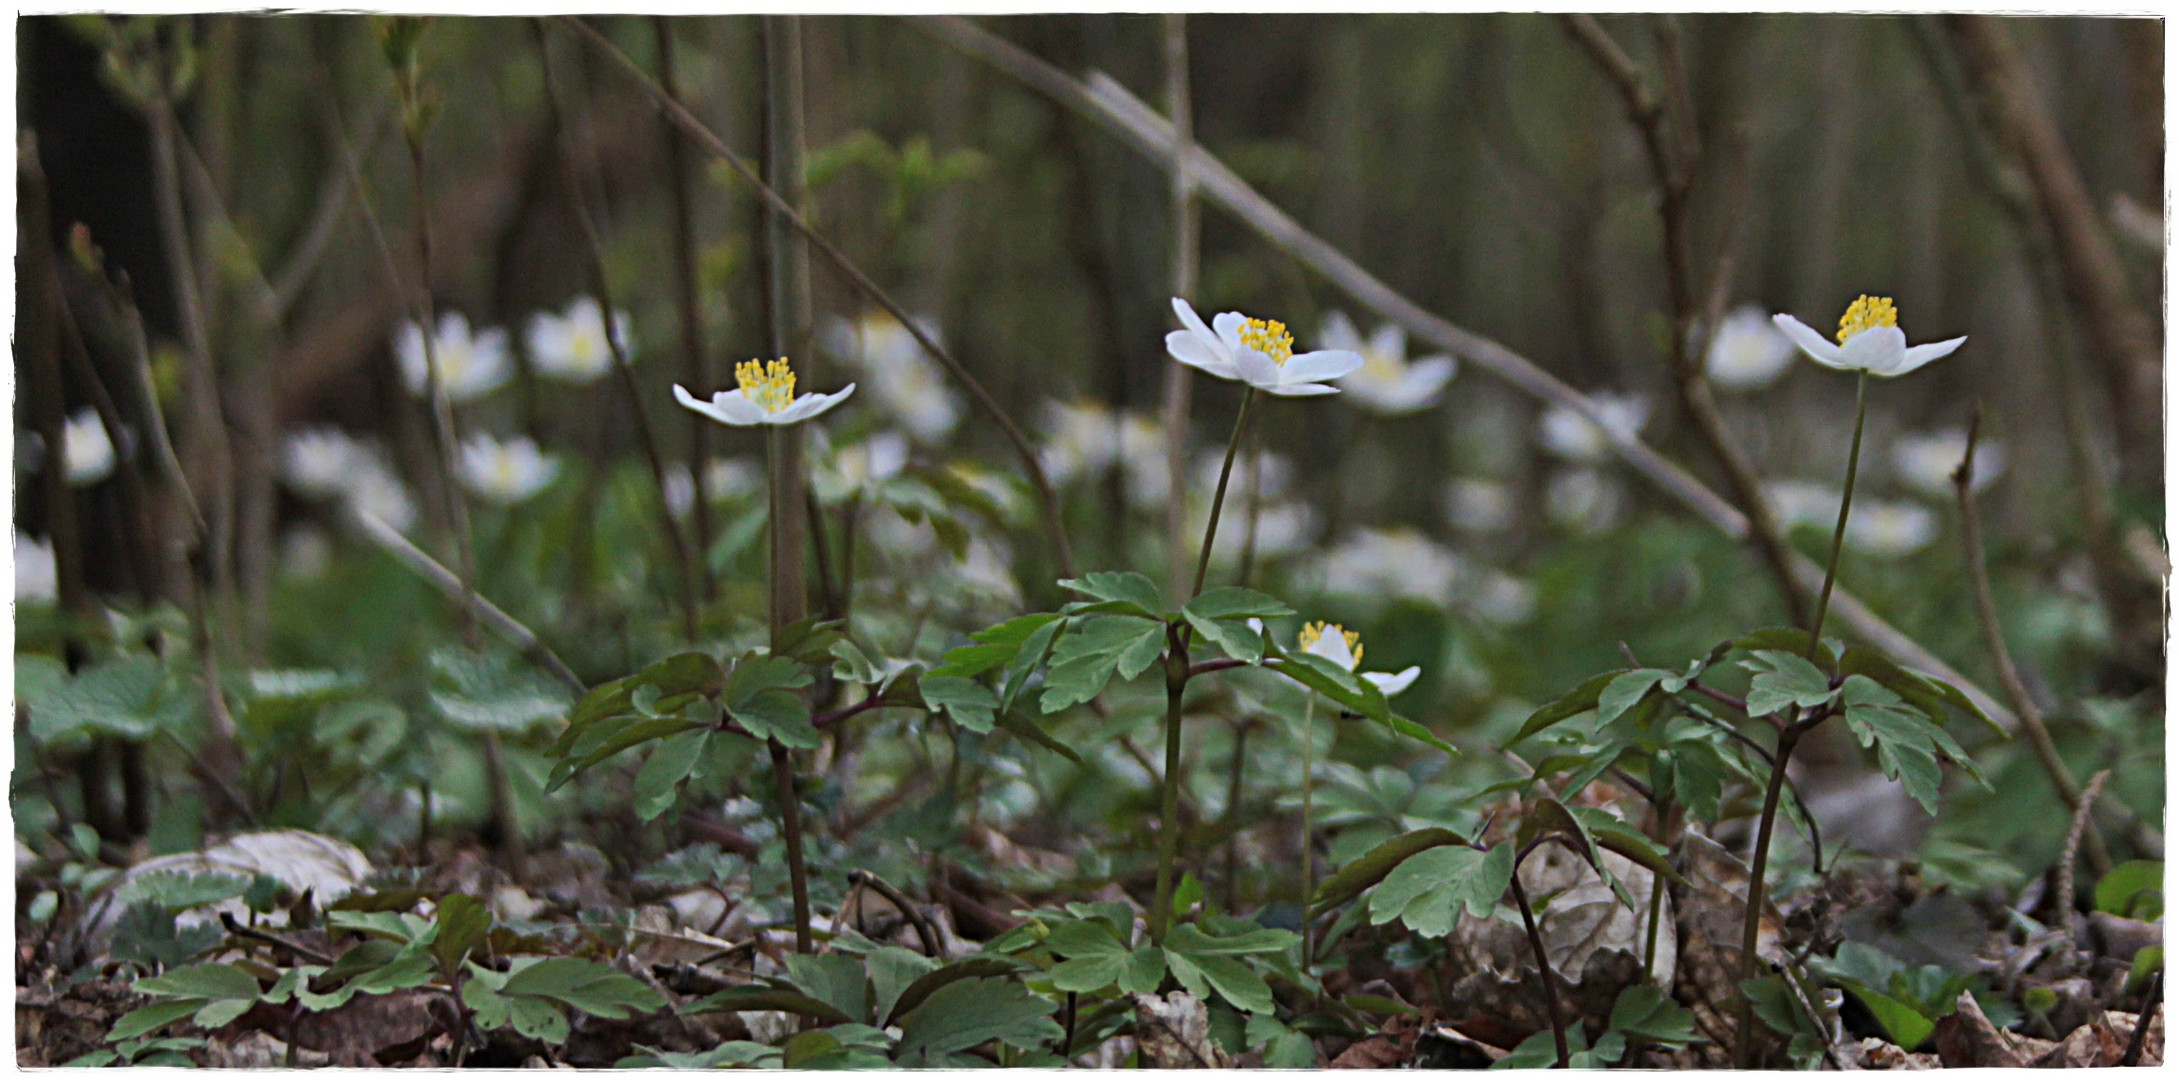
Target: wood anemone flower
(1869,340)
(1257,352)
(1342,646)
(765,396)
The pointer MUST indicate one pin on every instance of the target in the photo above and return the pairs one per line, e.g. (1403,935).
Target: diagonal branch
(1108,103)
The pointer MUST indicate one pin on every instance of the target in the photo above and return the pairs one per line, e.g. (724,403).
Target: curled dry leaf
(1175,1032)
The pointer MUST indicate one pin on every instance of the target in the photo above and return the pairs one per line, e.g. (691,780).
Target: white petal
(1190,319)
(1332,646)
(1339,332)
(1229,324)
(1878,350)
(813,405)
(1814,344)
(1429,375)
(1923,354)
(1196,351)
(1389,685)
(1256,369)
(717,408)
(1319,366)
(1307,389)
(1390,340)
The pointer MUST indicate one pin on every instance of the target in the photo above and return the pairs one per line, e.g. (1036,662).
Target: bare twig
(680,116)
(2150,999)
(234,926)
(924,932)
(695,364)
(1108,103)
(439,577)
(2066,860)
(1186,229)
(1993,635)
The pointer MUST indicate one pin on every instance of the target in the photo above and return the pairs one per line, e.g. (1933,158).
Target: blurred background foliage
(1479,164)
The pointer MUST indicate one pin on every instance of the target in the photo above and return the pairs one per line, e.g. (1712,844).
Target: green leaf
(180,890)
(203,981)
(851,665)
(219,1014)
(1127,588)
(1625,690)
(2133,889)
(1205,973)
(130,699)
(997,646)
(1428,892)
(836,979)
(1233,637)
(1371,868)
(588,985)
(1092,651)
(892,971)
(492,691)
(1903,1023)
(1645,1014)
(152,1017)
(1340,685)
(1025,663)
(1783,680)
(1786,639)
(968,702)
(967,968)
(1614,835)
(1929,694)
(604,738)
(1095,959)
(1232,602)
(1187,938)
(1580,699)
(971,1012)
(671,761)
(463,923)
(1698,776)
(758,998)
(1907,744)
(1027,728)
(760,695)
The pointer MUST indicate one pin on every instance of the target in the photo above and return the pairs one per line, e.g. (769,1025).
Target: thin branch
(1185,242)
(1108,103)
(1047,497)
(924,932)
(2066,860)
(1993,635)
(439,577)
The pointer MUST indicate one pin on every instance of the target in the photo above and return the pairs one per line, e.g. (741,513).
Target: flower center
(769,385)
(1315,632)
(1269,337)
(1867,313)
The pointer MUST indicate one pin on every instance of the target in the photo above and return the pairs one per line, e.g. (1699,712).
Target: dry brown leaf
(1174,1032)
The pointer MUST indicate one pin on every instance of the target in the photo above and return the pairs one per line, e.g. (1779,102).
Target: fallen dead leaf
(1175,1032)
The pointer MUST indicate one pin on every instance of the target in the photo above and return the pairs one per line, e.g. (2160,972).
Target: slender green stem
(1176,686)
(1751,919)
(1218,501)
(1308,831)
(790,805)
(1846,505)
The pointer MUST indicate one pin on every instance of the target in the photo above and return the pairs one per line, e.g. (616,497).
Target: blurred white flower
(1342,646)
(1080,440)
(1747,352)
(88,451)
(37,578)
(1869,340)
(1276,471)
(505,472)
(1803,502)
(765,396)
(572,347)
(1400,563)
(1479,506)
(1501,599)
(724,478)
(1889,530)
(376,491)
(1573,436)
(1257,352)
(903,378)
(1585,500)
(1142,456)
(305,552)
(860,466)
(988,571)
(1282,528)
(470,365)
(1925,461)
(320,462)
(1387,382)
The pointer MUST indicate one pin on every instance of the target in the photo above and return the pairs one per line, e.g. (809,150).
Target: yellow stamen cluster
(769,385)
(1315,632)
(1269,337)
(1867,313)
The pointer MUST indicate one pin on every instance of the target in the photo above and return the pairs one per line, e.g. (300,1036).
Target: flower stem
(786,566)
(1308,830)
(1846,505)
(1751,919)
(1218,501)
(1543,967)
(1176,685)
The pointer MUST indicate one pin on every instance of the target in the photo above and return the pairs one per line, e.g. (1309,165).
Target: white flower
(505,472)
(986,570)
(1925,461)
(1501,599)
(1747,352)
(1274,473)
(1142,455)
(87,449)
(469,365)
(1387,382)
(1585,500)
(1080,440)
(1397,564)
(1869,340)
(376,491)
(573,347)
(724,478)
(320,462)
(861,466)
(902,376)
(1803,502)
(1342,646)
(37,577)
(1479,506)
(765,396)
(1257,352)
(1888,530)
(305,552)
(1282,528)
(1572,435)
